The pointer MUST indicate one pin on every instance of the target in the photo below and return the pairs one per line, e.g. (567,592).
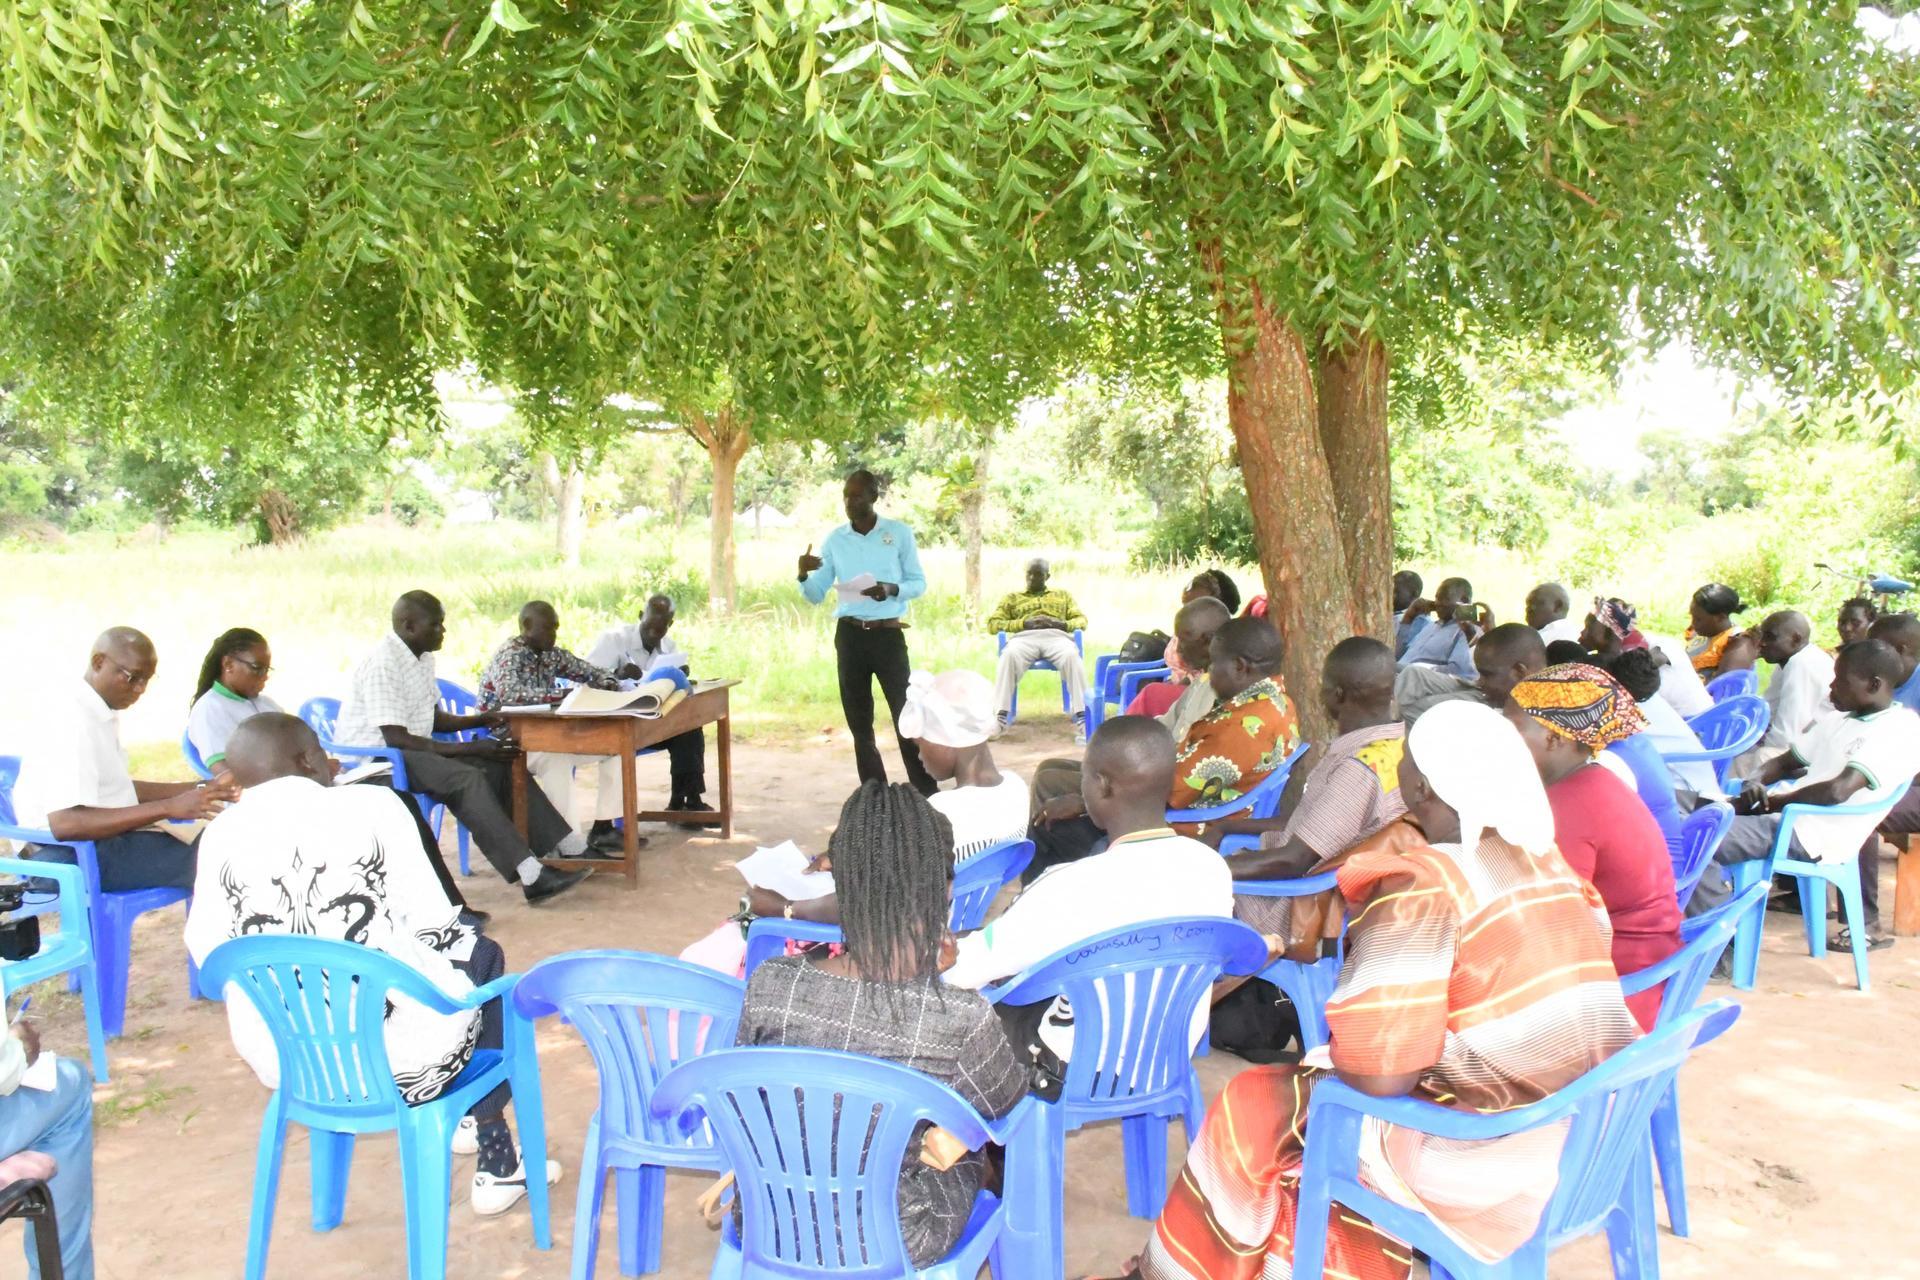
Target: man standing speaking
(872,567)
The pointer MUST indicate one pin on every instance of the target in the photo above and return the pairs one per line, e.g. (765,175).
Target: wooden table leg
(630,816)
(1906,888)
(520,793)
(724,732)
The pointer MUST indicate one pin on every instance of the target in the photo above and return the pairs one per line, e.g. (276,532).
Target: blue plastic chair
(324,1002)
(1132,682)
(1733,684)
(1813,877)
(1108,671)
(1700,837)
(1134,991)
(1308,986)
(1261,800)
(1685,972)
(1041,664)
(70,951)
(816,1140)
(641,1015)
(1727,730)
(455,701)
(977,881)
(109,916)
(192,753)
(1606,1178)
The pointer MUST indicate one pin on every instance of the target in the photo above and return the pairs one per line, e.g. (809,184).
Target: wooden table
(625,736)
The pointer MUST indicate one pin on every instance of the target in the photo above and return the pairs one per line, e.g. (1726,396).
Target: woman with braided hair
(882,996)
(233,676)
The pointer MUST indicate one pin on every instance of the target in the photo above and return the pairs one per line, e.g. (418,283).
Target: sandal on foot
(1842,940)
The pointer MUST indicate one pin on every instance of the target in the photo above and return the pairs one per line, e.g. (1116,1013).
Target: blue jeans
(59,1124)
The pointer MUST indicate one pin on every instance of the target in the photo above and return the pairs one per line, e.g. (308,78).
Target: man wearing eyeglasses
(74,780)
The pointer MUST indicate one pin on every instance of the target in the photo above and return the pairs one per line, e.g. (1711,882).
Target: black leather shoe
(552,883)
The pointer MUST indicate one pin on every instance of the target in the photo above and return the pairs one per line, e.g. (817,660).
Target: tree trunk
(971,504)
(725,435)
(568,491)
(1274,411)
(278,514)
(1353,434)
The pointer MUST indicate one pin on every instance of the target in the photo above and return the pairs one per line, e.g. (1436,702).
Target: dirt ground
(1810,1104)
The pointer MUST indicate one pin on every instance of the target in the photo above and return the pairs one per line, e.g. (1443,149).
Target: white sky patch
(1669,392)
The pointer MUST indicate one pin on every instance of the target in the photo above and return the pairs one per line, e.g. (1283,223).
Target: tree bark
(568,490)
(1353,434)
(971,504)
(1274,411)
(725,436)
(281,519)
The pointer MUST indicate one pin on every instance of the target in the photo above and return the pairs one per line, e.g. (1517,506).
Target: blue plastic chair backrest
(9,774)
(816,1139)
(1134,991)
(641,1015)
(1700,837)
(1732,684)
(325,1003)
(320,714)
(192,753)
(1732,722)
(1653,783)
(1706,938)
(978,881)
(1612,1106)
(455,699)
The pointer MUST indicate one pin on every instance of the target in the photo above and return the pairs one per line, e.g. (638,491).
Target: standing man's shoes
(552,883)
(692,806)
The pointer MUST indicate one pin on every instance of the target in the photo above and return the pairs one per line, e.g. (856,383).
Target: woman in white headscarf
(1477,976)
(949,717)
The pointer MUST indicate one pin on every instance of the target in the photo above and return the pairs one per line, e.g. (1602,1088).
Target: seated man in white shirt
(394,701)
(297,855)
(1639,673)
(629,651)
(74,780)
(1547,608)
(1145,873)
(1855,755)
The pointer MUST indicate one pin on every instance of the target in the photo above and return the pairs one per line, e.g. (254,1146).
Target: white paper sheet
(372,768)
(39,1073)
(783,869)
(853,588)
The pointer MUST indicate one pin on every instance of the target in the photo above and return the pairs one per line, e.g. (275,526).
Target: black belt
(876,624)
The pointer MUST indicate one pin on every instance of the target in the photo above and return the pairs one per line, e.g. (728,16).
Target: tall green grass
(322,603)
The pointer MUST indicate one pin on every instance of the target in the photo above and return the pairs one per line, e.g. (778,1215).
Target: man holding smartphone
(1457,623)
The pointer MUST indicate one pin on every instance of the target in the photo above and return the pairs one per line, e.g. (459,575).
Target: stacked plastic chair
(109,916)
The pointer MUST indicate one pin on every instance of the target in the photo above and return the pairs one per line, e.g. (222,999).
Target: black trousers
(140,859)
(480,794)
(687,763)
(1902,819)
(865,656)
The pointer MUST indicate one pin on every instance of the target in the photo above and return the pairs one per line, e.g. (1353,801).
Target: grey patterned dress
(951,1035)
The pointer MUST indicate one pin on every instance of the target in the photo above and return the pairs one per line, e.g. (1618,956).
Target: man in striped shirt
(1039,625)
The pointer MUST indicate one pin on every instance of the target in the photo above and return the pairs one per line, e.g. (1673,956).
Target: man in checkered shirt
(395,702)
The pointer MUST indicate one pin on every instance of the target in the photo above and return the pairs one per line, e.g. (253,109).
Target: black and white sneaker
(492,1196)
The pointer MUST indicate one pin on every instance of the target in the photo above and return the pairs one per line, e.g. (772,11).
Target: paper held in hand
(650,700)
(783,869)
(372,768)
(855,587)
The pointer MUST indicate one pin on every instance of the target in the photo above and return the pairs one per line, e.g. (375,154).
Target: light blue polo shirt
(1908,694)
(886,551)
